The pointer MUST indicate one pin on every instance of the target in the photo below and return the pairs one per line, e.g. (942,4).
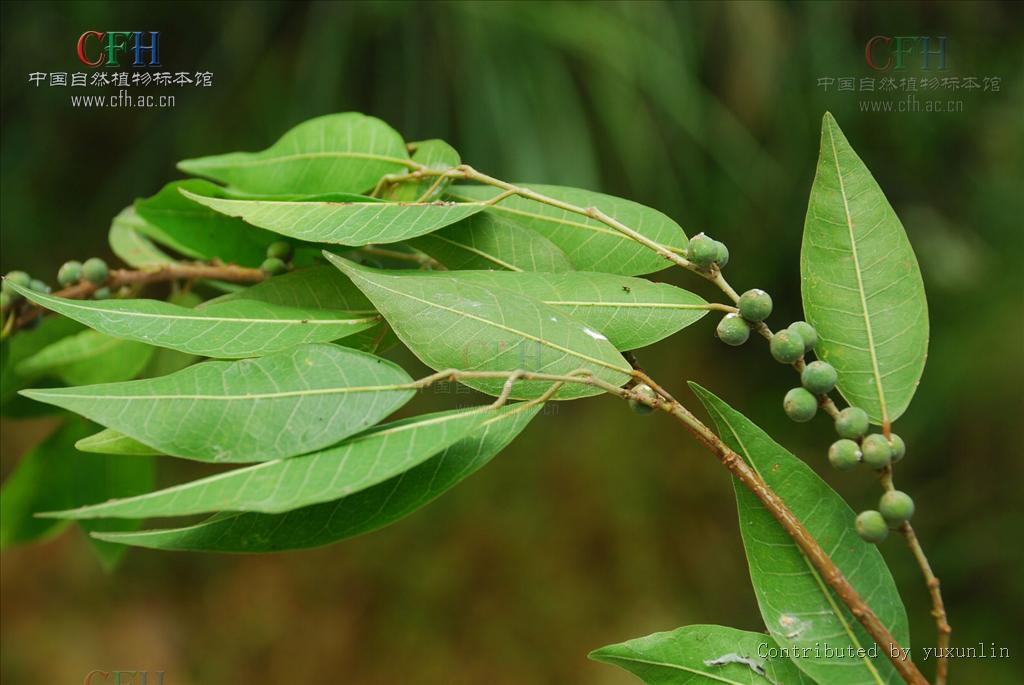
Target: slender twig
(415,257)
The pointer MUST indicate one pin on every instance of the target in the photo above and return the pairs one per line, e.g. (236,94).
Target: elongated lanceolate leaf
(861,285)
(87,357)
(589,244)
(439,156)
(251,410)
(285,484)
(704,654)
(322,287)
(343,223)
(229,329)
(452,322)
(480,242)
(798,607)
(346,152)
(364,511)
(109,441)
(630,312)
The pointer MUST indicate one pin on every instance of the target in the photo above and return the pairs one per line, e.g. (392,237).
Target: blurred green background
(596,525)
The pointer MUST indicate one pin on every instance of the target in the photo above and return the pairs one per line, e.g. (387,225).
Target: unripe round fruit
(280,249)
(702,250)
(807,332)
(273,266)
(101,294)
(95,271)
(69,273)
(876,450)
(819,377)
(896,506)
(645,392)
(5,300)
(20,278)
(871,526)
(899,448)
(786,346)
(38,286)
(844,454)
(800,405)
(723,254)
(755,305)
(852,423)
(733,330)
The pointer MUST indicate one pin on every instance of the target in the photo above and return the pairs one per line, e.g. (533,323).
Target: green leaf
(318,286)
(26,343)
(448,321)
(346,152)
(437,155)
(797,606)
(130,245)
(227,329)
(480,242)
(704,654)
(109,441)
(285,484)
(371,509)
(87,357)
(343,223)
(288,403)
(861,284)
(172,219)
(589,244)
(630,312)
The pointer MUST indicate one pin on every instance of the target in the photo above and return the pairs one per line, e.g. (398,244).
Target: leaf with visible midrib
(451,322)
(703,654)
(285,484)
(589,244)
(861,285)
(345,152)
(343,223)
(228,329)
(797,606)
(288,403)
(371,509)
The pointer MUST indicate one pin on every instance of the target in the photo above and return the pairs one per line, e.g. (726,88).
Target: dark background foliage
(595,526)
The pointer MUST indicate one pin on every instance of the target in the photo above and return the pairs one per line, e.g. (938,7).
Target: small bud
(70,273)
(702,250)
(899,448)
(280,250)
(786,347)
(896,506)
(877,452)
(800,405)
(852,423)
(844,454)
(807,332)
(644,392)
(871,526)
(819,377)
(733,330)
(95,271)
(273,266)
(723,254)
(755,305)
(101,294)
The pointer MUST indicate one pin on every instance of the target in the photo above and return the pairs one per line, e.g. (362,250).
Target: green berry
(69,273)
(733,330)
(101,294)
(896,506)
(723,254)
(95,271)
(755,305)
(17,277)
(38,286)
(877,452)
(852,423)
(5,300)
(871,526)
(800,405)
(818,377)
(807,332)
(702,250)
(786,346)
(844,454)
(273,266)
(644,392)
(899,448)
(280,250)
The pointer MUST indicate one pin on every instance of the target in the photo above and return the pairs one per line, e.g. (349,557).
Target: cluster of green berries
(894,508)
(278,256)
(705,252)
(94,270)
(754,307)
